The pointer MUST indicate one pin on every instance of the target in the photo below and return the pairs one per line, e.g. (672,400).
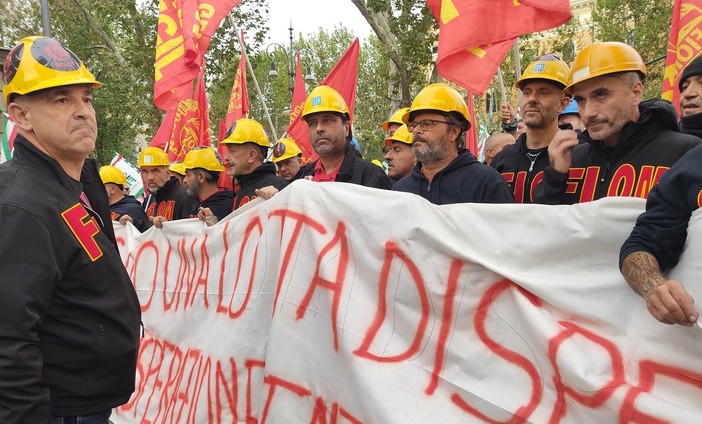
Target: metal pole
(253,76)
(291,69)
(45,18)
(518,68)
(502,85)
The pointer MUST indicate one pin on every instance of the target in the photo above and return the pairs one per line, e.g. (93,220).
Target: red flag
(185,28)
(683,45)
(476,35)
(224,179)
(163,135)
(343,78)
(472,134)
(191,127)
(239,99)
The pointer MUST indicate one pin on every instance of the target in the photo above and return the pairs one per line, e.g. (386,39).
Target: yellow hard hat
(39,62)
(438,97)
(324,99)
(551,70)
(247,130)
(599,59)
(177,167)
(112,174)
(153,156)
(402,135)
(285,148)
(396,118)
(203,158)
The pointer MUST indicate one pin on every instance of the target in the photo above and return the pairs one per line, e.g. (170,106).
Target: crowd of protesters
(585,132)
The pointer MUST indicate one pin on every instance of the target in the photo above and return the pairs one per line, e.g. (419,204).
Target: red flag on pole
(163,135)
(192,124)
(239,99)
(343,78)
(472,134)
(184,30)
(204,138)
(476,35)
(683,45)
(224,179)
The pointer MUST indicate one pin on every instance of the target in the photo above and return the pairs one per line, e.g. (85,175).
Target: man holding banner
(69,315)
(329,128)
(438,120)
(628,144)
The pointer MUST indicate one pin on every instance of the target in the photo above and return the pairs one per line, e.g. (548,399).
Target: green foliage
(643,24)
(124,104)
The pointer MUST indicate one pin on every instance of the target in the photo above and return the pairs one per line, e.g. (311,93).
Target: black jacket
(94,190)
(521,172)
(170,201)
(128,205)
(662,229)
(464,180)
(355,170)
(263,176)
(221,203)
(69,316)
(691,124)
(645,150)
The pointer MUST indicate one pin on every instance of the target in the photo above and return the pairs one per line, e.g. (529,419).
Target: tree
(643,24)
(407,31)
(117,41)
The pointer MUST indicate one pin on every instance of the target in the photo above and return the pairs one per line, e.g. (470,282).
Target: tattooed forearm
(642,272)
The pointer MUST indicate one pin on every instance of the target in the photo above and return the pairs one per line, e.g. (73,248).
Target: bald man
(495,144)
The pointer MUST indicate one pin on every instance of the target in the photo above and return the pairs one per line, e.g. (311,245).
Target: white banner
(134,181)
(334,303)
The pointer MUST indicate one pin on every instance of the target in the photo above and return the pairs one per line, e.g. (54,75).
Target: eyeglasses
(426,125)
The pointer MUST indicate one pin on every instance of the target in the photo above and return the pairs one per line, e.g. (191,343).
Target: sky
(308,16)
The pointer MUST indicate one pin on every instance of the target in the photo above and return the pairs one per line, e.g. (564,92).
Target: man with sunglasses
(445,172)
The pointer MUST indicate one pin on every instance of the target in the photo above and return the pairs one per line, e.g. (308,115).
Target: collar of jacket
(464,158)
(248,179)
(692,124)
(655,115)
(26,154)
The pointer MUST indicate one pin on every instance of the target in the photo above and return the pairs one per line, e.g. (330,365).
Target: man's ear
(20,115)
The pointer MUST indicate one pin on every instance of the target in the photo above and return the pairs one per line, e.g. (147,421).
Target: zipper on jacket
(606,171)
(101,329)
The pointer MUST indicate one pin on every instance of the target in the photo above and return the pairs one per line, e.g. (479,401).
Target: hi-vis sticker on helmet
(581,73)
(53,55)
(279,149)
(316,100)
(539,67)
(148,159)
(12,62)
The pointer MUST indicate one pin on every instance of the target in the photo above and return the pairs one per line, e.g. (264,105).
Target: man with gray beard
(445,172)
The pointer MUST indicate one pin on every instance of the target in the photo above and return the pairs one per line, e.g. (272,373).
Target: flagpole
(502,85)
(518,67)
(253,76)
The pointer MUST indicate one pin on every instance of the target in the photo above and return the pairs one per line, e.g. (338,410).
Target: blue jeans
(99,418)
